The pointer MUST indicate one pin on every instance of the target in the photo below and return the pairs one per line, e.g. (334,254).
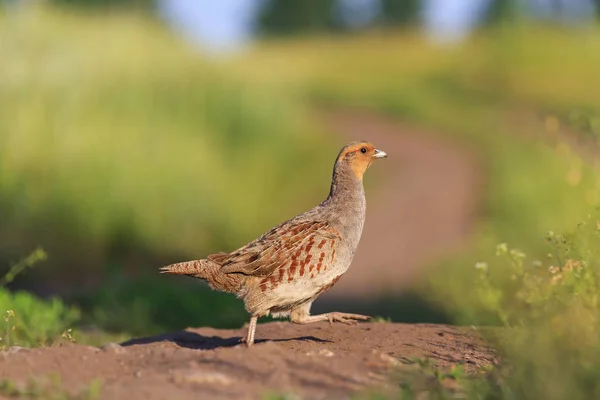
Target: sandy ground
(422,205)
(311,361)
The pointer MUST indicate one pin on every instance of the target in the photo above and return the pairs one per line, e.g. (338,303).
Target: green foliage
(48,388)
(501,11)
(30,321)
(138,5)
(550,308)
(423,377)
(585,122)
(418,378)
(112,155)
(398,13)
(281,17)
(597,6)
(150,304)
(292,17)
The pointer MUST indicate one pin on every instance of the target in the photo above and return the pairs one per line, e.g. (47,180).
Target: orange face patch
(359,156)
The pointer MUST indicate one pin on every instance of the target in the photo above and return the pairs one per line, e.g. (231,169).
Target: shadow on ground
(196,341)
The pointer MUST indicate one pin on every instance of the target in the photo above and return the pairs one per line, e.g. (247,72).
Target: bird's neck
(345,185)
(347,199)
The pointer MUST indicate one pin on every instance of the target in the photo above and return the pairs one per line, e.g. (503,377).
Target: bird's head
(358,156)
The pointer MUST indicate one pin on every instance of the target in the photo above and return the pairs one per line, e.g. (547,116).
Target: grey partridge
(283,271)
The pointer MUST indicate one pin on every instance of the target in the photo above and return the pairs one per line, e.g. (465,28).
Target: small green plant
(67,336)
(10,314)
(420,378)
(28,320)
(31,321)
(48,388)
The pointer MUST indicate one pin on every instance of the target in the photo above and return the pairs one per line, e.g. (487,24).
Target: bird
(284,270)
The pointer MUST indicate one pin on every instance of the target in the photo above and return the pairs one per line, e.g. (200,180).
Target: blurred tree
(398,13)
(500,11)
(136,4)
(555,10)
(597,6)
(279,17)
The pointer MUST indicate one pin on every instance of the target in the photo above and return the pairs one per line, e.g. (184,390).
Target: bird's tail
(196,268)
(208,271)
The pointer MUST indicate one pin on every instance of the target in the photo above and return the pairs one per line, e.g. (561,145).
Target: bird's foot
(345,318)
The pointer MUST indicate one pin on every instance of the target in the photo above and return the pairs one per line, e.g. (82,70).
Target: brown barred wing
(275,248)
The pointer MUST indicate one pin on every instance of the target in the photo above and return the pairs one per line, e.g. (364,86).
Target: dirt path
(421,204)
(423,207)
(312,361)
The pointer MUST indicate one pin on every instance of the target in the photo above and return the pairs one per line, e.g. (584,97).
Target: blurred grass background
(123,148)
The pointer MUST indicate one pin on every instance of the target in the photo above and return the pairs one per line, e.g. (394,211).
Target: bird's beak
(379,154)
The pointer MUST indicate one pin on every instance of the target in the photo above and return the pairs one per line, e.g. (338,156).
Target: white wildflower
(481,266)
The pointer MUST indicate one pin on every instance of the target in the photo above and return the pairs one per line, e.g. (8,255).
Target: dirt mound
(312,361)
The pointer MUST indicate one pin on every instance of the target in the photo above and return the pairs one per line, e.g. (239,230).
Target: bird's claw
(346,318)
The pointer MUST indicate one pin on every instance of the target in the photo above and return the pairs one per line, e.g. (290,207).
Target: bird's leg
(301,315)
(249,340)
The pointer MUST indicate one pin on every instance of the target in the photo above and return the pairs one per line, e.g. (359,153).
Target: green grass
(28,320)
(123,305)
(119,144)
(122,150)
(50,388)
(550,346)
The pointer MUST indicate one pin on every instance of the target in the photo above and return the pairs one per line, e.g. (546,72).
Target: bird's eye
(363,150)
